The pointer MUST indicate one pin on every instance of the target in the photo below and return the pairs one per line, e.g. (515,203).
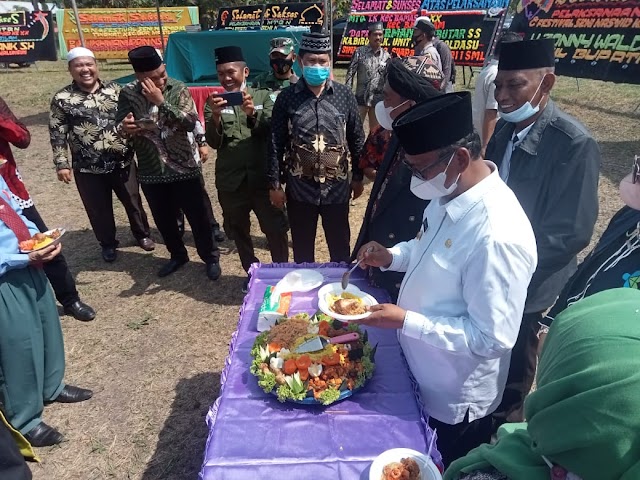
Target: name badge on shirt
(258,107)
(228,110)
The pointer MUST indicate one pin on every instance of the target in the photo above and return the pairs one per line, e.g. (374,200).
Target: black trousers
(165,200)
(56,270)
(96,192)
(236,208)
(455,441)
(303,218)
(12,464)
(522,371)
(207,203)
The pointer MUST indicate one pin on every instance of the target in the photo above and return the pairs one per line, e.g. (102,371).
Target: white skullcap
(79,52)
(423,19)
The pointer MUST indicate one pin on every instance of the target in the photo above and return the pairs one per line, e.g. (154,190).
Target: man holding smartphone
(238,126)
(169,167)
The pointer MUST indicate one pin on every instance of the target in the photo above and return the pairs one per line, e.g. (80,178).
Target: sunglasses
(635,170)
(421,173)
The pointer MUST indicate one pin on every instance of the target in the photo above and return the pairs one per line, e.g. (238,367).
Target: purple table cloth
(253,436)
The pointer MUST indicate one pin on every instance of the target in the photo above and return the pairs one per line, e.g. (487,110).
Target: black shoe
(80,311)
(147,244)
(109,254)
(71,394)
(245,284)
(213,270)
(218,235)
(42,435)
(170,267)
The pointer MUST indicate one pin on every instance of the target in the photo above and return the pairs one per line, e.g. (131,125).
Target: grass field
(153,355)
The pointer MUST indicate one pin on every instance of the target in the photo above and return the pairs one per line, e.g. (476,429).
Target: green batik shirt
(241,143)
(167,152)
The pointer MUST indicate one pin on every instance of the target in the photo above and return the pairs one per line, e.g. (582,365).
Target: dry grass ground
(154,353)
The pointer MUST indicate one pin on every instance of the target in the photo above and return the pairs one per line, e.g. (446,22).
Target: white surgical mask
(433,188)
(525,111)
(383,114)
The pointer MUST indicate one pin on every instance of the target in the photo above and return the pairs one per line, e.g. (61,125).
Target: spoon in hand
(347,274)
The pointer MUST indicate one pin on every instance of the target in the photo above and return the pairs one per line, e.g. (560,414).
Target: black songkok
(435,123)
(228,54)
(144,59)
(527,54)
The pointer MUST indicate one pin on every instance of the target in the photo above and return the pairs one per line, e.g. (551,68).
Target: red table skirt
(200,95)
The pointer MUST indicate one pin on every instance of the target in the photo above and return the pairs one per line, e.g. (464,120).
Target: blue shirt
(10,256)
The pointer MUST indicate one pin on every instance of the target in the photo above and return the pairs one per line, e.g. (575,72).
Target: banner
(26,37)
(283,15)
(595,39)
(245,17)
(112,32)
(468,33)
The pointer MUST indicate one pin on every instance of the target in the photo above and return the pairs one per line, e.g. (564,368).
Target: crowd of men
(476,215)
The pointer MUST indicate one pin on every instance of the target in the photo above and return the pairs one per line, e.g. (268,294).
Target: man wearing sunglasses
(466,273)
(615,260)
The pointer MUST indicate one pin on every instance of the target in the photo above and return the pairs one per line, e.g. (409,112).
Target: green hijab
(585,413)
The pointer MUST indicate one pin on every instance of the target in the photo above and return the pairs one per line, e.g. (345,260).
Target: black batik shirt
(333,119)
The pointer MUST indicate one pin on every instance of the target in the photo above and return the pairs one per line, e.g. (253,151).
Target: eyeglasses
(422,172)
(635,170)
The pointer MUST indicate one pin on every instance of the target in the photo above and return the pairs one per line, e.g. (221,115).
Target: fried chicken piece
(349,306)
(39,237)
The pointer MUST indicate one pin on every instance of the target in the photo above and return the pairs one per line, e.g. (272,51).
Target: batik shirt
(86,123)
(370,67)
(167,152)
(317,123)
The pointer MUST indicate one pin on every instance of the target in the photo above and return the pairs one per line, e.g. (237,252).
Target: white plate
(55,242)
(428,470)
(336,289)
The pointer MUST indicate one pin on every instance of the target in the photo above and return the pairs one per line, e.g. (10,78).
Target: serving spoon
(347,274)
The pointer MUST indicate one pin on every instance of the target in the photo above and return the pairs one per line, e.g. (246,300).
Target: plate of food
(312,360)
(42,240)
(345,305)
(405,464)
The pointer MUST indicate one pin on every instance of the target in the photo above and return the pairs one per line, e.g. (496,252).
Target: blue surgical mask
(316,75)
(524,112)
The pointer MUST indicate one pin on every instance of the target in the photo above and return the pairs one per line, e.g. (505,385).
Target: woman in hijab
(584,417)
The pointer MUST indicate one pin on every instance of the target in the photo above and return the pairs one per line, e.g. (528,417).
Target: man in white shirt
(485,106)
(467,273)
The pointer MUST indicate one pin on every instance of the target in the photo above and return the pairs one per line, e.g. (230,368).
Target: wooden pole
(75,13)
(160,26)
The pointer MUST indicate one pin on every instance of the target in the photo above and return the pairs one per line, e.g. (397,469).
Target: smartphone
(145,123)
(233,99)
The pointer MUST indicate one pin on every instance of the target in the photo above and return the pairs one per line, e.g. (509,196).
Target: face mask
(414,40)
(383,114)
(524,112)
(316,75)
(281,65)
(434,188)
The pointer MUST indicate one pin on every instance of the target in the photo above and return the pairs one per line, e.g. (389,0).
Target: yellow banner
(112,32)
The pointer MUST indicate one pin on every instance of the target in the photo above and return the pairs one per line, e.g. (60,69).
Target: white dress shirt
(464,292)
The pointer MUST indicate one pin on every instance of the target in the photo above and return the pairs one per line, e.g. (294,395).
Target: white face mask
(383,114)
(525,112)
(433,188)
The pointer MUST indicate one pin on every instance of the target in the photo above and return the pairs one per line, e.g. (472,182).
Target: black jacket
(397,219)
(554,173)
(615,235)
